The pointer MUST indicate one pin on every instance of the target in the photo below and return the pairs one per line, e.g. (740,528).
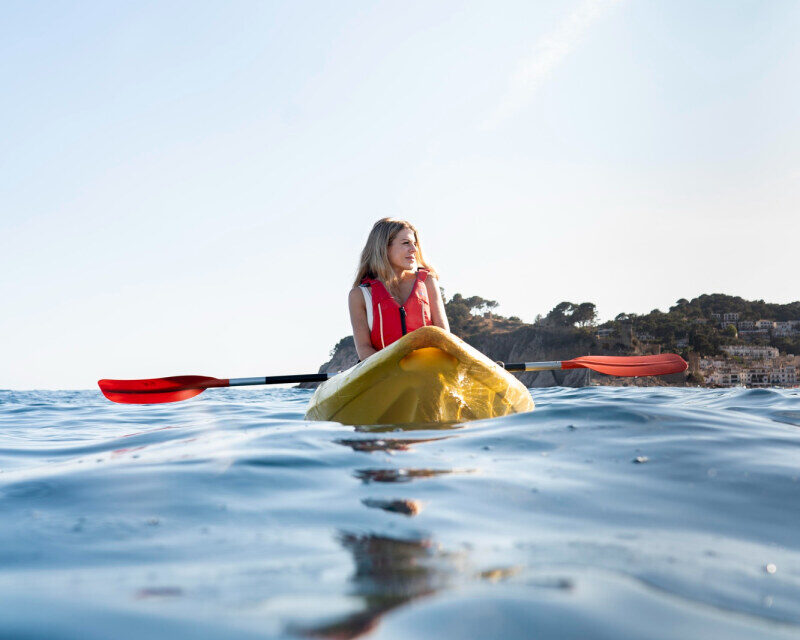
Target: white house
(787,328)
(726,379)
(783,376)
(753,334)
(712,363)
(758,377)
(747,351)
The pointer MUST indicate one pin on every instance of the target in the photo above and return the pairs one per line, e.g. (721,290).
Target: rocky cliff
(511,340)
(525,343)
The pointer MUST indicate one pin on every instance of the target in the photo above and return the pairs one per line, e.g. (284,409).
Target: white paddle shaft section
(241,382)
(543,366)
(303,377)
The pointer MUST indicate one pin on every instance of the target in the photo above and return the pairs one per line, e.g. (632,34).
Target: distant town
(746,359)
(727,341)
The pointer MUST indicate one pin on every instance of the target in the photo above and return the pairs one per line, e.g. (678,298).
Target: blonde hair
(374,262)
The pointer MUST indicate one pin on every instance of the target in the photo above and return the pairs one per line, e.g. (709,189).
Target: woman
(395,290)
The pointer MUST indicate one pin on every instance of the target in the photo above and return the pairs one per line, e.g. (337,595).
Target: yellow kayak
(427,376)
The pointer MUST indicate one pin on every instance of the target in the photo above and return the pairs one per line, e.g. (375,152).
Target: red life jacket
(391,321)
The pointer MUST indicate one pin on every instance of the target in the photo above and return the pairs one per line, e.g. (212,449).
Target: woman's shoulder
(432,284)
(430,275)
(355,299)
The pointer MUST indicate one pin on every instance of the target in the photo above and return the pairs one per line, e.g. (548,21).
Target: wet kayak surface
(604,513)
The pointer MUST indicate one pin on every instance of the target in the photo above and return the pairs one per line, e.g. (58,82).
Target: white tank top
(368,301)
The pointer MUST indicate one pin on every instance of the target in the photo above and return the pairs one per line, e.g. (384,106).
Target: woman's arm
(358,318)
(438,314)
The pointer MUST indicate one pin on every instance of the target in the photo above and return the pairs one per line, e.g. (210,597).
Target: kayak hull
(427,376)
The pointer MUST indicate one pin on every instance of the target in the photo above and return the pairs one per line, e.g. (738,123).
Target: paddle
(175,388)
(630,366)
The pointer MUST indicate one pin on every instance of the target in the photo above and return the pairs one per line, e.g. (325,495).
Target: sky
(185,187)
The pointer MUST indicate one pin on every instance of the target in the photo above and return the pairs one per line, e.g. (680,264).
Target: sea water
(605,513)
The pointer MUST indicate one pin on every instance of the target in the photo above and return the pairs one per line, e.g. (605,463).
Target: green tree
(560,314)
(461,312)
(584,315)
(568,314)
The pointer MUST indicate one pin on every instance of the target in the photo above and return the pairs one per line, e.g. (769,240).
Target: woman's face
(403,251)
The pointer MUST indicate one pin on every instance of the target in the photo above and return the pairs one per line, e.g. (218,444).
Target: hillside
(509,339)
(706,323)
(694,328)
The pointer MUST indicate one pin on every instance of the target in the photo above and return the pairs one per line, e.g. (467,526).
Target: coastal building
(746,325)
(764,324)
(712,363)
(753,334)
(730,318)
(726,379)
(783,376)
(752,352)
(787,328)
(758,377)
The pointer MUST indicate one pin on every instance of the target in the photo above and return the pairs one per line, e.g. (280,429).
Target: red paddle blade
(157,390)
(629,365)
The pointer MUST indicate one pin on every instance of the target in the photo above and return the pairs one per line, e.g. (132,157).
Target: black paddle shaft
(302,377)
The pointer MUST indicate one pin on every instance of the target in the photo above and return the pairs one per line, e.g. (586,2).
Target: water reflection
(392,571)
(401,475)
(389,572)
(369,445)
(396,428)
(403,506)
(386,444)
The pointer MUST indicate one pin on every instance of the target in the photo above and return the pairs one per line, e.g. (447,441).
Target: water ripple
(605,513)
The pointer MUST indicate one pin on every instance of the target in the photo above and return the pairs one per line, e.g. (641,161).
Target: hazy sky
(185,186)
